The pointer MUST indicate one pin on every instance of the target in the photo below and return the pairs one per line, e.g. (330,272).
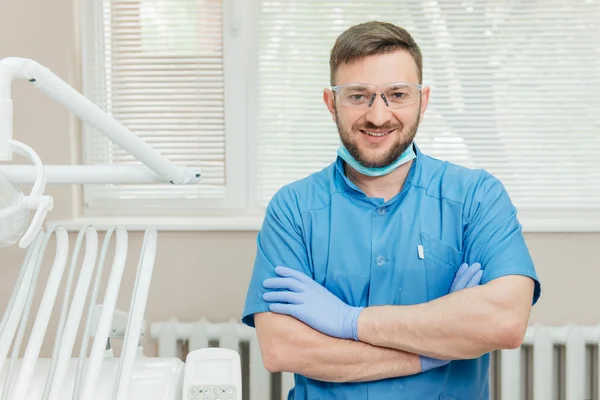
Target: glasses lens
(356,95)
(401,95)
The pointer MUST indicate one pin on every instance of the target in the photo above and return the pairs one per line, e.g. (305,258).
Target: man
(389,274)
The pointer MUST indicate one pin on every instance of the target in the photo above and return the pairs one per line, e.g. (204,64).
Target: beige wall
(206,273)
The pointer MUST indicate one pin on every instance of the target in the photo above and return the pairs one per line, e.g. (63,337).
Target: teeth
(376,134)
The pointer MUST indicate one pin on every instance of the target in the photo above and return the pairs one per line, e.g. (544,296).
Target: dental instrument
(132,376)
(157,167)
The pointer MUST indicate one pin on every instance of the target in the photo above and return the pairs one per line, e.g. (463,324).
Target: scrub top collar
(346,185)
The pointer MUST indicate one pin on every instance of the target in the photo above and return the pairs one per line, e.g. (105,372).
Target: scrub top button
(381,210)
(380,260)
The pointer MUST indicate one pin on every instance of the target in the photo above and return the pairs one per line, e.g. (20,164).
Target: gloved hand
(311,303)
(465,277)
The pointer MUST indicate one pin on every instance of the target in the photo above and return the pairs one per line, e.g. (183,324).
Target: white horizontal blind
(515,89)
(157,67)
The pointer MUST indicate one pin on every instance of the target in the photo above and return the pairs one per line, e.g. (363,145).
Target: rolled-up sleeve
(279,243)
(493,235)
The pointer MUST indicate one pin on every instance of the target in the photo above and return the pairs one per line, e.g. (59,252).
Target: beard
(404,139)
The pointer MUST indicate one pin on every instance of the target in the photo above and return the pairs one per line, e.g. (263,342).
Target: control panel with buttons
(212,374)
(212,392)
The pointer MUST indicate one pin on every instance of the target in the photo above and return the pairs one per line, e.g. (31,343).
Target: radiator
(553,362)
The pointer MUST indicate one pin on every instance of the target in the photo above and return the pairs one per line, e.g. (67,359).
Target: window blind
(157,67)
(515,88)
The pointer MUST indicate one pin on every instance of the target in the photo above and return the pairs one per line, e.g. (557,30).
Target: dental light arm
(158,168)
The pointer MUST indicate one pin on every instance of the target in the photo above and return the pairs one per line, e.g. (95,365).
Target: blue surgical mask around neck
(407,156)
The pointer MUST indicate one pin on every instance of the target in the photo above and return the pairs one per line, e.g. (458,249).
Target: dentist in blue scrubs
(389,274)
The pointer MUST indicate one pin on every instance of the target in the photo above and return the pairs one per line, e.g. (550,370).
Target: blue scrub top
(365,251)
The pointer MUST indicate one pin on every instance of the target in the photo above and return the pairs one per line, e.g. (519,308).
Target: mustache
(387,126)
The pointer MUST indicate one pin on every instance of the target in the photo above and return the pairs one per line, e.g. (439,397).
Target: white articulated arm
(10,69)
(75,312)
(17,302)
(47,303)
(136,313)
(101,320)
(42,78)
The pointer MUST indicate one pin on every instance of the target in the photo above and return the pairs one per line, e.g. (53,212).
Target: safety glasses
(362,96)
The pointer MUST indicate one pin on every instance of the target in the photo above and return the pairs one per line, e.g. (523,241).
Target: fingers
(283,283)
(462,268)
(460,282)
(282,297)
(288,272)
(291,283)
(476,279)
(459,273)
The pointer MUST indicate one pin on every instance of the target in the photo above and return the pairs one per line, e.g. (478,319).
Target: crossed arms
(462,325)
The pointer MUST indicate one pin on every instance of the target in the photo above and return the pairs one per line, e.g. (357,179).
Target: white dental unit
(211,373)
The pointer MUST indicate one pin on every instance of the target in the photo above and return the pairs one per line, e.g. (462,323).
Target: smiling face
(377,135)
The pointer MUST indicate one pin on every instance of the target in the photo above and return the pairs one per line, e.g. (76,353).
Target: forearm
(289,345)
(464,324)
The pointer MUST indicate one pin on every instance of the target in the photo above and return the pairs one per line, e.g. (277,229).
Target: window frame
(235,198)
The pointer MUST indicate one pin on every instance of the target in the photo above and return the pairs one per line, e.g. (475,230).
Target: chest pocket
(442,261)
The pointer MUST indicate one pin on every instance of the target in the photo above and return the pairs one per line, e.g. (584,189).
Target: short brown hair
(371,38)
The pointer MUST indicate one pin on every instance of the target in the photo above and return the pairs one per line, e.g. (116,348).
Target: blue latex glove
(465,277)
(311,303)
